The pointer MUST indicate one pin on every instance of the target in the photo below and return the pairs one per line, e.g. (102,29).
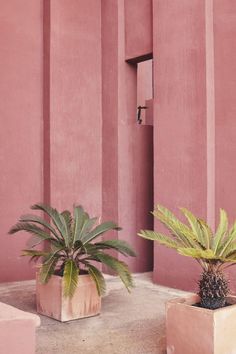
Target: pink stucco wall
(21,64)
(68,112)
(75,104)
(225,109)
(180,146)
(127,147)
(138,28)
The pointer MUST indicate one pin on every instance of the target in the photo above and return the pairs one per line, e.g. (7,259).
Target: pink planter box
(50,300)
(17,330)
(195,330)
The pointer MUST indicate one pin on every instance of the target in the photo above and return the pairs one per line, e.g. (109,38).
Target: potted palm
(205,322)
(69,285)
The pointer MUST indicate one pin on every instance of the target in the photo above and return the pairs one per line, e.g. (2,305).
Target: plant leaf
(70,278)
(79,216)
(161,238)
(181,231)
(99,230)
(55,216)
(119,267)
(47,270)
(38,220)
(118,245)
(98,278)
(30,228)
(197,253)
(197,226)
(221,230)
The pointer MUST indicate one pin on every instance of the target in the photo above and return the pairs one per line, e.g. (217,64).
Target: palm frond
(207,233)
(86,228)
(79,217)
(55,216)
(118,245)
(99,230)
(98,279)
(70,278)
(30,228)
(198,227)
(47,270)
(181,231)
(34,255)
(221,230)
(119,267)
(38,220)
(161,238)
(199,254)
(37,253)
(226,244)
(67,231)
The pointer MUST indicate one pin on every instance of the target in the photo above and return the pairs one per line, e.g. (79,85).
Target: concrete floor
(129,323)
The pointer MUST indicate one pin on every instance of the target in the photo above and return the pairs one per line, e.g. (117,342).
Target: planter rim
(189,300)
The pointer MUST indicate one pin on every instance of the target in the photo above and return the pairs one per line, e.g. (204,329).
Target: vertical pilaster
(180,124)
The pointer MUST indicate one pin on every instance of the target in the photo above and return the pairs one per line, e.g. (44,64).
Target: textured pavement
(129,323)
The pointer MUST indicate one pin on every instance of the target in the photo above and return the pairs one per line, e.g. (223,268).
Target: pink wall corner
(21,64)
(180,169)
(145,90)
(225,110)
(138,28)
(109,113)
(75,106)
(124,142)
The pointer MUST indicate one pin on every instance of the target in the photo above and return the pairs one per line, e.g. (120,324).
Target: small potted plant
(203,323)
(68,283)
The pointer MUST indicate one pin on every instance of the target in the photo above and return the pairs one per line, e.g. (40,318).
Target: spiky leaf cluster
(213,289)
(213,251)
(73,246)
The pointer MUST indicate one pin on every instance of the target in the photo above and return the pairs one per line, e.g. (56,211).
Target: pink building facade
(73,74)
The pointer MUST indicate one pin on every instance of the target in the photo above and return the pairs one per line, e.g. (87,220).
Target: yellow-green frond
(197,227)
(70,278)
(221,230)
(196,253)
(181,231)
(162,239)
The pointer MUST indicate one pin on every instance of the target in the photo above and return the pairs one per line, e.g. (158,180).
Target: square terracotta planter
(195,330)
(50,300)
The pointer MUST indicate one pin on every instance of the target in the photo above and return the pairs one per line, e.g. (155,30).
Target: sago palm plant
(71,248)
(213,251)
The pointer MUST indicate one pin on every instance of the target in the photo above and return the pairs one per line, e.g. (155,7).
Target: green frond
(98,279)
(197,253)
(36,219)
(55,216)
(99,230)
(161,238)
(181,231)
(33,253)
(119,267)
(89,249)
(79,217)
(118,245)
(86,228)
(221,230)
(207,233)
(47,270)
(67,231)
(198,227)
(231,250)
(70,278)
(30,228)
(228,242)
